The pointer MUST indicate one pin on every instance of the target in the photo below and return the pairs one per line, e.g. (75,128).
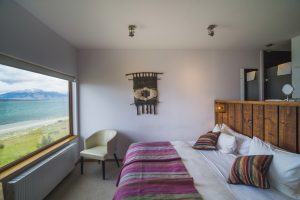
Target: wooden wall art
(145,91)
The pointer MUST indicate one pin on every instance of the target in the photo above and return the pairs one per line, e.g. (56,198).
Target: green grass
(26,141)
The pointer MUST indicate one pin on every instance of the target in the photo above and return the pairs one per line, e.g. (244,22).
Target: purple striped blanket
(154,171)
(164,189)
(139,171)
(150,151)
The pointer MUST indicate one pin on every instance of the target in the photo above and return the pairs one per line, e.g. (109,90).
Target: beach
(22,138)
(13,127)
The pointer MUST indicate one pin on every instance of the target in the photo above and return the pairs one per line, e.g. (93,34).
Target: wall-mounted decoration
(131,29)
(145,91)
(251,76)
(284,69)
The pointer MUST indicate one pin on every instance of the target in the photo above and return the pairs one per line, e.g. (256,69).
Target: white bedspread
(210,170)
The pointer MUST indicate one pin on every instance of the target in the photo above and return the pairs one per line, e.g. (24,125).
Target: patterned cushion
(207,141)
(251,170)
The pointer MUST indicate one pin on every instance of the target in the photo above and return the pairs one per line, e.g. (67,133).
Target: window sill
(25,163)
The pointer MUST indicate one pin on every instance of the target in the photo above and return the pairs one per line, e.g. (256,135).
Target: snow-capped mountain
(33,94)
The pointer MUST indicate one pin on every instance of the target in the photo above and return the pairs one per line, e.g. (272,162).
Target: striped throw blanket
(139,171)
(150,151)
(154,171)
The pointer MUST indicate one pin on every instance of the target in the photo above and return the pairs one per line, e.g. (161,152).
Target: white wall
(192,80)
(296,66)
(25,37)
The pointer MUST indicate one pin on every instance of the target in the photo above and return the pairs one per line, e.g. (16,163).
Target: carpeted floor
(89,186)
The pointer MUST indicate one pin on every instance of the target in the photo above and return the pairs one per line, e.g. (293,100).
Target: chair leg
(103,169)
(81,165)
(117,161)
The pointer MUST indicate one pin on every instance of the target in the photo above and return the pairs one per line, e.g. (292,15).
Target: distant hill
(32,95)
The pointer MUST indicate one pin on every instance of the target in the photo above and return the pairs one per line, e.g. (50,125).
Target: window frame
(71,128)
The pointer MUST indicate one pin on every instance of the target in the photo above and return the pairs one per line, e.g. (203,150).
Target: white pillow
(226,143)
(217,128)
(242,141)
(284,171)
(259,147)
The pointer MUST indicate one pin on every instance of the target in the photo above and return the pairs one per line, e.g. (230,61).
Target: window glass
(34,112)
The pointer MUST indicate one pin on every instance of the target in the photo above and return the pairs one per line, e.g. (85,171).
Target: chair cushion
(98,153)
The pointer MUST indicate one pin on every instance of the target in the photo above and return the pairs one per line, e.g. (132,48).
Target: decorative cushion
(284,177)
(207,141)
(226,143)
(251,170)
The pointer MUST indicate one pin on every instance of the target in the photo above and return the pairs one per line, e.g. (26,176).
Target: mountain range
(32,95)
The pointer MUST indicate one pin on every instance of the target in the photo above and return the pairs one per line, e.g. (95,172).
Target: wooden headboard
(275,122)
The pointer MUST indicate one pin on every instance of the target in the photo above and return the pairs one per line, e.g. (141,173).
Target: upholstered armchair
(100,146)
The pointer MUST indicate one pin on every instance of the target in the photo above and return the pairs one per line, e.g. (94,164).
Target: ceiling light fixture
(131,29)
(269,45)
(211,31)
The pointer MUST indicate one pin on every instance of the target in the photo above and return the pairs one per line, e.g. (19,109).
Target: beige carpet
(88,186)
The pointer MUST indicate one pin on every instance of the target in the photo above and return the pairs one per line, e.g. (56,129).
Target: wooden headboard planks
(258,121)
(238,118)
(271,124)
(274,122)
(288,128)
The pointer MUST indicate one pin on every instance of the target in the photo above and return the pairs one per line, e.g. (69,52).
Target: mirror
(287,89)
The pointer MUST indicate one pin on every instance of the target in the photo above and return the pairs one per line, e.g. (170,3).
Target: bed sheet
(210,170)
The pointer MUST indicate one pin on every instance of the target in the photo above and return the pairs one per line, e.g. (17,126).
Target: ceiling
(169,24)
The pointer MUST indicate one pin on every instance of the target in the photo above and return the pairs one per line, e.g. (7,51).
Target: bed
(174,170)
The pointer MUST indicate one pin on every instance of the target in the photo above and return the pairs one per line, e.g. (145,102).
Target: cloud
(13,79)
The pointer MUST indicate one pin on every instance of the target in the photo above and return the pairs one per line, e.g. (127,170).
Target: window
(34,112)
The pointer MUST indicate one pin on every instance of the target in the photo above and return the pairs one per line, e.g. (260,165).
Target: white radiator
(36,182)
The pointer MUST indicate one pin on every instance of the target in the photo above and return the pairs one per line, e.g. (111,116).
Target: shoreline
(14,127)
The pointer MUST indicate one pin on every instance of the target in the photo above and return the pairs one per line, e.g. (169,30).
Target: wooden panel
(225,115)
(258,121)
(274,122)
(238,110)
(219,118)
(274,103)
(271,124)
(247,120)
(288,128)
(231,115)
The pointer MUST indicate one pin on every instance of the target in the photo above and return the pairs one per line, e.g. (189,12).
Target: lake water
(14,111)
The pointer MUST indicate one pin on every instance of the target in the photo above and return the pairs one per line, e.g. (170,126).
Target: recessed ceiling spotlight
(211,31)
(131,29)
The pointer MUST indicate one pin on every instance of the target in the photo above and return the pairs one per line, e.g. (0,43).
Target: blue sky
(13,79)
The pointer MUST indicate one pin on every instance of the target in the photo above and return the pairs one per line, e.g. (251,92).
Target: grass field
(15,145)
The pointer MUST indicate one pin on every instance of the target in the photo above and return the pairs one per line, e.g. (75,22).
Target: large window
(34,112)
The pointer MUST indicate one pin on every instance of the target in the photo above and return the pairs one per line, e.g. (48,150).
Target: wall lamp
(220,108)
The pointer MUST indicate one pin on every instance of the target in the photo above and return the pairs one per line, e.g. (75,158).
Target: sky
(13,79)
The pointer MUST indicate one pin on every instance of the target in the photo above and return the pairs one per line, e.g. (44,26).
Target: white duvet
(210,170)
